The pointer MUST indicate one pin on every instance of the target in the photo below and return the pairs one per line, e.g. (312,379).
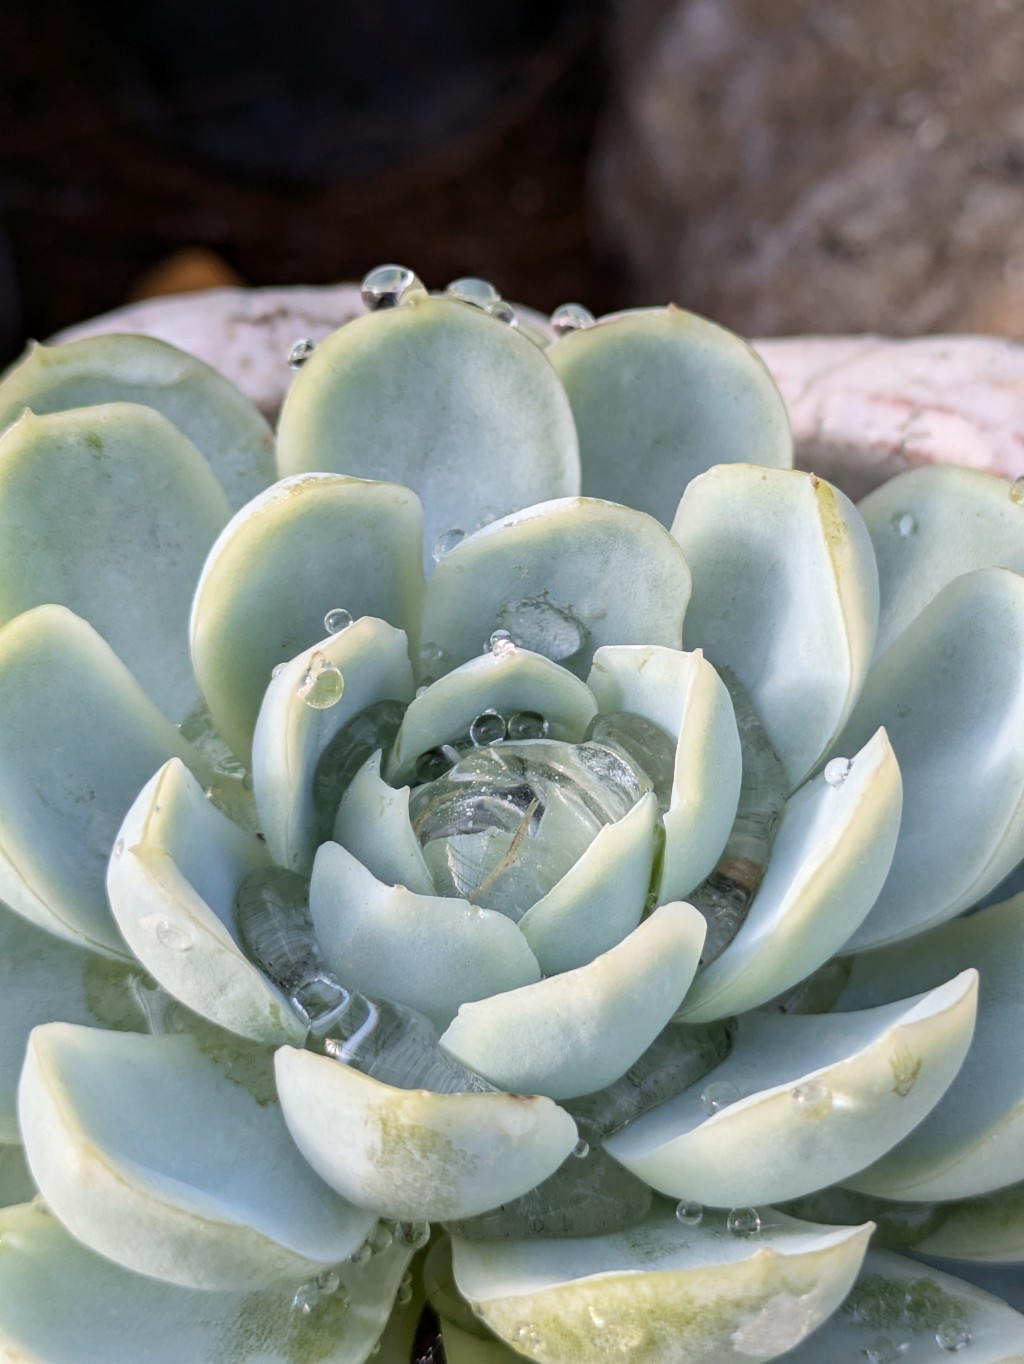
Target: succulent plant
(395,909)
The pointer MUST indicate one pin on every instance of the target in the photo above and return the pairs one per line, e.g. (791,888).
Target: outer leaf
(430,952)
(575,1033)
(291,736)
(785,592)
(306,546)
(659,396)
(77,740)
(950,692)
(145,509)
(972,1142)
(63,1304)
(157,1155)
(821,1098)
(685,696)
(443,399)
(827,864)
(543,575)
(509,682)
(410,1154)
(662,1292)
(905,1308)
(172,881)
(928,527)
(197,398)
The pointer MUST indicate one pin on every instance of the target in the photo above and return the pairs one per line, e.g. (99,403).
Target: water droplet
(337,620)
(488,728)
(1017,490)
(478,292)
(300,352)
(743,1222)
(432,764)
(539,624)
(363,1255)
(571,317)
(381,1237)
(505,312)
(322,684)
(446,542)
(812,1099)
(528,1336)
(837,771)
(952,1336)
(689,1212)
(174,936)
(422,689)
(328,1281)
(306,1298)
(528,724)
(389,285)
(412,1235)
(404,1295)
(119,848)
(881,1350)
(581,1149)
(500,644)
(903,524)
(718,1095)
(278,669)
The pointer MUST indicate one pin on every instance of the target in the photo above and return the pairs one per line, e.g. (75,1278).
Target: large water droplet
(446,542)
(836,771)
(174,936)
(322,684)
(478,292)
(952,1336)
(528,724)
(689,1212)
(500,644)
(904,524)
(812,1099)
(718,1095)
(645,744)
(743,1222)
(1017,490)
(300,352)
(488,728)
(537,623)
(389,285)
(336,620)
(571,317)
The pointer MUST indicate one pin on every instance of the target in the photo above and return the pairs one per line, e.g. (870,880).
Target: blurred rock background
(798,166)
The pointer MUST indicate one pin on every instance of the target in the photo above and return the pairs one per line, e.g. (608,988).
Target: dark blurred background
(803,165)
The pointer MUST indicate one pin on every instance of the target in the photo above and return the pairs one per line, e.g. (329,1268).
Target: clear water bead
(119,848)
(952,1336)
(404,1295)
(322,684)
(328,1281)
(812,1099)
(836,771)
(412,1235)
(478,292)
(904,524)
(174,936)
(689,1212)
(488,728)
(571,317)
(1017,490)
(581,1149)
(527,724)
(278,669)
(307,1297)
(300,352)
(337,620)
(389,285)
(542,626)
(434,763)
(743,1222)
(645,744)
(446,542)
(881,1350)
(504,312)
(500,643)
(718,1095)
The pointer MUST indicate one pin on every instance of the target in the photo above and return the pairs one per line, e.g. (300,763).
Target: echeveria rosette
(215,1183)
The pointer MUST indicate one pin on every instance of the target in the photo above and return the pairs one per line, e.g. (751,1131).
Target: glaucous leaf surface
(950,692)
(661,1291)
(155,1152)
(542,576)
(78,740)
(828,861)
(411,1154)
(201,403)
(60,1303)
(802,1101)
(785,593)
(145,510)
(659,395)
(373,825)
(307,546)
(441,398)
(292,733)
(575,1033)
(176,866)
